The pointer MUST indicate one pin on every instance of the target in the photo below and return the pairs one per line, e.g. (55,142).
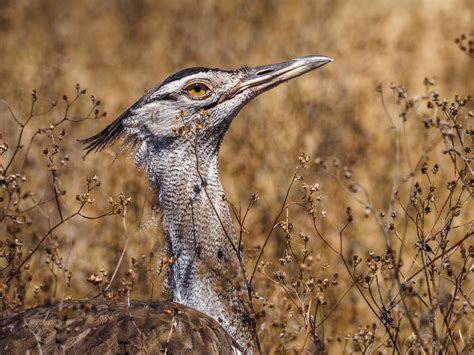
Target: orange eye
(197,89)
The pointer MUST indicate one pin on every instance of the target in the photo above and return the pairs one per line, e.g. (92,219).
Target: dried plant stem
(122,254)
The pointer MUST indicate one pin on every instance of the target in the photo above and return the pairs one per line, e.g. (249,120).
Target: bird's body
(177,129)
(98,327)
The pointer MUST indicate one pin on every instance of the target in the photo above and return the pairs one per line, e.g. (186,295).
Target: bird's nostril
(264,71)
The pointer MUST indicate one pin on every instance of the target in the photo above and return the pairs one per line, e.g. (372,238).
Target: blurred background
(119,49)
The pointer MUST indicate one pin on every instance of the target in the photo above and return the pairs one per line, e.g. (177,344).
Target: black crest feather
(111,133)
(107,136)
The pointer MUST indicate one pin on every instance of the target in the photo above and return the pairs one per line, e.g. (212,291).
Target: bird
(175,131)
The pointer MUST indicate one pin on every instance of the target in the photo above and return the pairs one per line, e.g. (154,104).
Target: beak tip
(325,59)
(317,60)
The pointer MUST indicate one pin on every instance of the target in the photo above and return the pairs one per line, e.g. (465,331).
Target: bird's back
(98,327)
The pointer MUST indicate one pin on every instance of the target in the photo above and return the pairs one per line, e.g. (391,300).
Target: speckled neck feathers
(206,274)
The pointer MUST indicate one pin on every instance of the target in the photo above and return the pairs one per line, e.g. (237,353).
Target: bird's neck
(206,274)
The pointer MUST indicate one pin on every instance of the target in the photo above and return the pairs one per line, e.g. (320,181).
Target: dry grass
(403,261)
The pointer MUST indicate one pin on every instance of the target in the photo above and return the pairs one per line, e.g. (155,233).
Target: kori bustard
(176,130)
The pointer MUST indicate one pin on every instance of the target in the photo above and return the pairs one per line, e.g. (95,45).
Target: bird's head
(196,103)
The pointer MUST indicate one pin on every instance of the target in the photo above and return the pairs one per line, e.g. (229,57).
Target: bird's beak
(263,78)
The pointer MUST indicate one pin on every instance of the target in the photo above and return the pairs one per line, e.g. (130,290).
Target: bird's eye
(197,89)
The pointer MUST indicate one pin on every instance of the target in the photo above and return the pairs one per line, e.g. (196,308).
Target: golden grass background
(119,49)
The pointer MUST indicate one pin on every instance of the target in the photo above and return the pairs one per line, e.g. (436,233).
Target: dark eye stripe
(166,97)
(170,97)
(184,73)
